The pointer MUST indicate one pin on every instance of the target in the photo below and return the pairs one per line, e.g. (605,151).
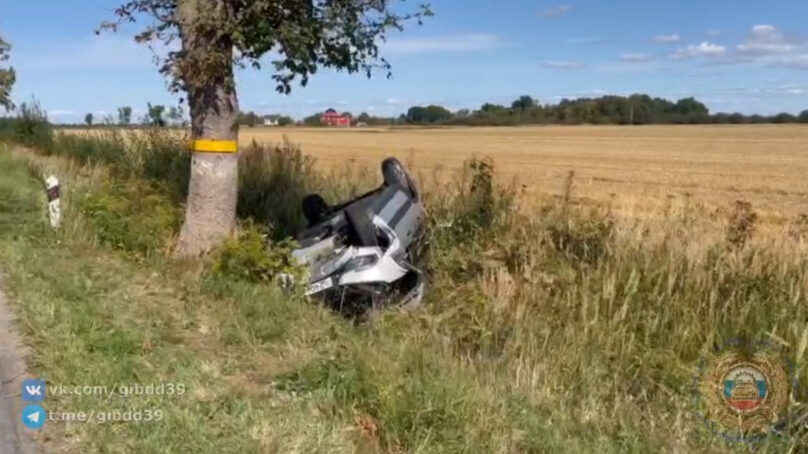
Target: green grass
(561,330)
(95,317)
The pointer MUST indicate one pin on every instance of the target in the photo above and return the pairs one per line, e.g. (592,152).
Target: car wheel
(393,172)
(315,209)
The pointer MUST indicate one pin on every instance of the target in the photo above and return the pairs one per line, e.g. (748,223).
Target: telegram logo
(33,416)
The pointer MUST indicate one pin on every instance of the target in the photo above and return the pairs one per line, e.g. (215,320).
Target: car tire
(315,209)
(395,174)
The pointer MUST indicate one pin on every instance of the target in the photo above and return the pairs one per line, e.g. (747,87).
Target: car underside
(360,253)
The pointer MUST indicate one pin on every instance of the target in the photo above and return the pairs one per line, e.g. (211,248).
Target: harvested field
(641,168)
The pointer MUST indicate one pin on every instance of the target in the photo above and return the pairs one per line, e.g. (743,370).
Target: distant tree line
(156,115)
(636,109)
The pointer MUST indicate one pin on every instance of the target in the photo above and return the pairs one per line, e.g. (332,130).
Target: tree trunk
(207,72)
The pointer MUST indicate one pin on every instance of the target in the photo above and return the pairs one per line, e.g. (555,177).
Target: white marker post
(54,207)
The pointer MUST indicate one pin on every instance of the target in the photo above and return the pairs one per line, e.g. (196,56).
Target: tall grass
(559,329)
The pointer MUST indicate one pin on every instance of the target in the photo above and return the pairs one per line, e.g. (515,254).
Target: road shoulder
(13,437)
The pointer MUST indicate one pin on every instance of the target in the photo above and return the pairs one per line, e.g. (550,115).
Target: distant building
(271,120)
(333,118)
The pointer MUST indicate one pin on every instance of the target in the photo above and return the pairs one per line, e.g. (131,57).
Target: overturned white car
(360,253)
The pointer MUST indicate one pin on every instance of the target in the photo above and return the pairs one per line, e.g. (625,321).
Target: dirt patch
(13,436)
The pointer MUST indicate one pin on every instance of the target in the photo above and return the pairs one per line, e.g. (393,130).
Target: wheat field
(641,170)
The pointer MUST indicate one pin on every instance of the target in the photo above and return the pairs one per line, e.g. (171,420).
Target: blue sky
(735,55)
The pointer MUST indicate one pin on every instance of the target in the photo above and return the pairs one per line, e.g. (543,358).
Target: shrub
(30,127)
(164,157)
(248,256)
(466,220)
(132,215)
(478,208)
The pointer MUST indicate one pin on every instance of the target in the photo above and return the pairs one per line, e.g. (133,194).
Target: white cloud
(563,65)
(667,38)
(704,49)
(766,48)
(768,40)
(714,33)
(791,90)
(559,10)
(764,45)
(442,44)
(636,58)
(763,30)
(394,101)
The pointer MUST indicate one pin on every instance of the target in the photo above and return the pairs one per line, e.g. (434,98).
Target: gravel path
(13,436)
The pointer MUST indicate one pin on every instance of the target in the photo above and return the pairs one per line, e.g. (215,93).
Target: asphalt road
(14,438)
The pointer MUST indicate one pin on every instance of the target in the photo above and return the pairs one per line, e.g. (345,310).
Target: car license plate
(320,286)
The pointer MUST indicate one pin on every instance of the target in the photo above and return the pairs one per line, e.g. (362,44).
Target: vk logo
(33,416)
(33,390)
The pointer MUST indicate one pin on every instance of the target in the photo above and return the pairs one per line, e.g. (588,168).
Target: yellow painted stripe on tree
(215,146)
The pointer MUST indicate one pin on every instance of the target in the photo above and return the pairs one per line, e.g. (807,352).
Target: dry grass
(639,170)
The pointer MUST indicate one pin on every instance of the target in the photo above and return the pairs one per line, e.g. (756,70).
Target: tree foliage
(249,119)
(313,120)
(428,114)
(524,103)
(155,115)
(124,115)
(216,35)
(7,77)
(175,115)
(88,119)
(302,35)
